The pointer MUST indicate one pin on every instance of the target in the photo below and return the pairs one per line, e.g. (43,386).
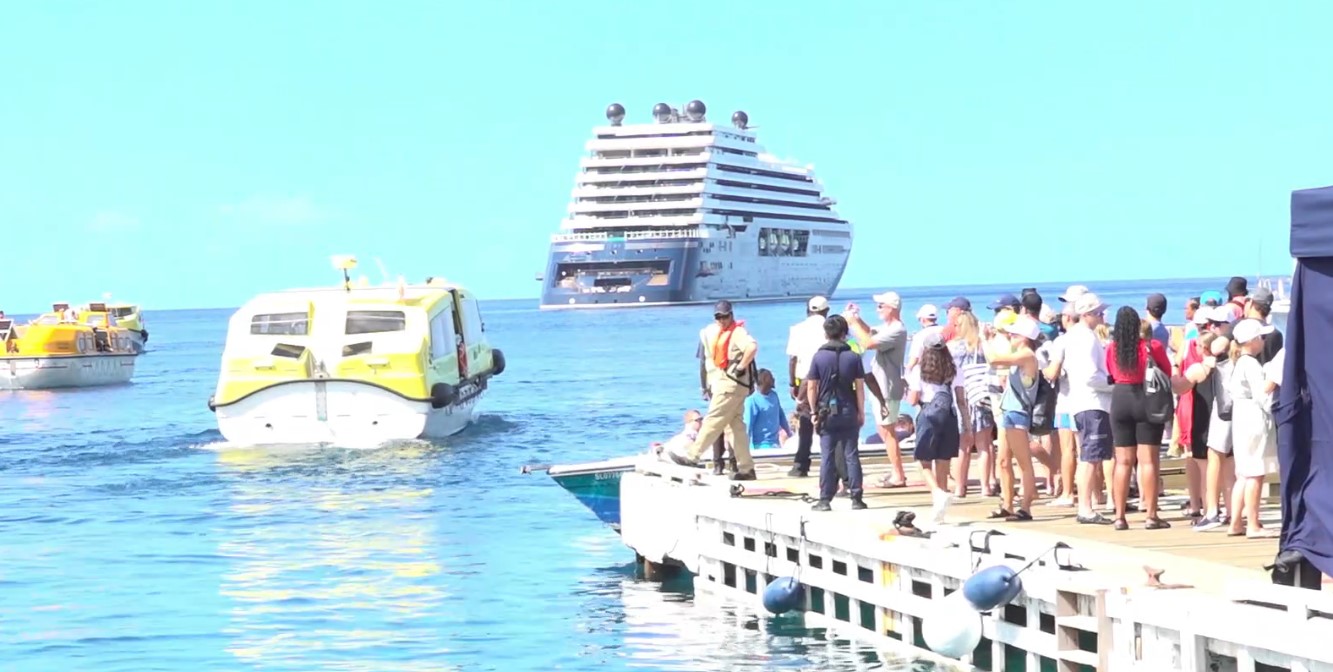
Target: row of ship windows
(644,153)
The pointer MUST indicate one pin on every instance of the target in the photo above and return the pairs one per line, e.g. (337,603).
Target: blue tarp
(1304,409)
(1312,223)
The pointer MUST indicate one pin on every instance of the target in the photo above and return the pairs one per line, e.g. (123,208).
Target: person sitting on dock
(764,419)
(836,393)
(680,443)
(726,372)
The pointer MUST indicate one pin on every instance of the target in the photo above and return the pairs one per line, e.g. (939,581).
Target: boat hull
(70,371)
(337,412)
(597,484)
(617,273)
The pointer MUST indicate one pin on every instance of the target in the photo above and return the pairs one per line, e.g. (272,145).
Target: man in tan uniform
(727,372)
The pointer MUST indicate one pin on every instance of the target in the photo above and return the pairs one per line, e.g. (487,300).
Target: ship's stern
(615,272)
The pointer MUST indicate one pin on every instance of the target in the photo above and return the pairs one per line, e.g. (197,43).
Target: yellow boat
(353,365)
(127,316)
(60,349)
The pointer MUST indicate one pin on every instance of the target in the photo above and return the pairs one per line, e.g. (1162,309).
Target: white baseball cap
(1073,293)
(1024,326)
(928,311)
(1249,329)
(817,304)
(1203,314)
(890,299)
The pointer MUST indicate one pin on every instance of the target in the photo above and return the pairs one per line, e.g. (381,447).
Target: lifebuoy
(442,394)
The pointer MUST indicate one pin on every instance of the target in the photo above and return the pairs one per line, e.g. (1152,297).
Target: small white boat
(353,365)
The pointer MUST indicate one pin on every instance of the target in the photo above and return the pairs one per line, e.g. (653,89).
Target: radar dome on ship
(615,112)
(695,110)
(740,119)
(662,113)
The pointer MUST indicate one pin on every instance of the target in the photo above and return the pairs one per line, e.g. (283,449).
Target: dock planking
(1205,560)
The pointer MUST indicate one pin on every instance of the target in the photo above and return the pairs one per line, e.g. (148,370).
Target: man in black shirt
(1258,305)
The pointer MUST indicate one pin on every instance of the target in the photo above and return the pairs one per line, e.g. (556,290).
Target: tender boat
(127,316)
(597,484)
(353,365)
(61,349)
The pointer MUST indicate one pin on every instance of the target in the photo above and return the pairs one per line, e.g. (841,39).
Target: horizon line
(900,289)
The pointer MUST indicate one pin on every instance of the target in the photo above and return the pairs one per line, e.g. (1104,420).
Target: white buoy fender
(991,587)
(783,594)
(953,628)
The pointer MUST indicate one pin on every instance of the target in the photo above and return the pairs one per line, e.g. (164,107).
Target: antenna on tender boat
(384,272)
(344,263)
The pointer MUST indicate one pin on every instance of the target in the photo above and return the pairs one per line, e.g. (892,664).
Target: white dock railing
(879,590)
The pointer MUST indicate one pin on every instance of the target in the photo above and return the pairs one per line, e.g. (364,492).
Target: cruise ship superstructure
(682,210)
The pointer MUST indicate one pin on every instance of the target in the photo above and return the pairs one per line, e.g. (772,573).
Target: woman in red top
(1136,439)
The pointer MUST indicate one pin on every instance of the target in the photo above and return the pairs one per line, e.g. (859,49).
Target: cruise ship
(680,210)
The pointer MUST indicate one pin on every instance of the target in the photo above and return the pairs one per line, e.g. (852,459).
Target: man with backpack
(835,390)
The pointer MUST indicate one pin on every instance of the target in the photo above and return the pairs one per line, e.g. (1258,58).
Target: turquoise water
(133,538)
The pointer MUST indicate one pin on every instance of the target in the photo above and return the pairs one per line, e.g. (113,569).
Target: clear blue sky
(190,154)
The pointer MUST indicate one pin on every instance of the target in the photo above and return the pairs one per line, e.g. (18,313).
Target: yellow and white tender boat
(127,316)
(58,350)
(353,365)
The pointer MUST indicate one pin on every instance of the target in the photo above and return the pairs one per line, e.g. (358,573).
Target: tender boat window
(280,324)
(122,312)
(375,321)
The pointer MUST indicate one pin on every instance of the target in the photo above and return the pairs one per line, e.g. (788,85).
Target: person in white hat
(1014,417)
(928,317)
(803,339)
(1083,360)
(1253,432)
(889,343)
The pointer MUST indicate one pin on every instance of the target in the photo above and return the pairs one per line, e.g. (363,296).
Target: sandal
(1121,525)
(888,482)
(1000,513)
(1094,519)
(1156,524)
(1018,516)
(1263,533)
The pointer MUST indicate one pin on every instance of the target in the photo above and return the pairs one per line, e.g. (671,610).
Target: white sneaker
(940,501)
(1061,502)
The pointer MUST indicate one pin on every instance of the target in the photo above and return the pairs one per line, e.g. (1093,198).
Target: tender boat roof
(420,295)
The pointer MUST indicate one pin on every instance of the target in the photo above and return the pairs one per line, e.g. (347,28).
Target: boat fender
(952,628)
(144,334)
(442,394)
(497,362)
(211,405)
(992,587)
(783,594)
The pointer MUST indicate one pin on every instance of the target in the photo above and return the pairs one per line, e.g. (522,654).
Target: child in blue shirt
(764,420)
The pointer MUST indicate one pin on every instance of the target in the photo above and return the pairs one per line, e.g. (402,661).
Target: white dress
(1253,434)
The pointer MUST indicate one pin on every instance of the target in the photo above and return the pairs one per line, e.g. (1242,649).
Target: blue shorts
(1064,421)
(1094,436)
(1016,420)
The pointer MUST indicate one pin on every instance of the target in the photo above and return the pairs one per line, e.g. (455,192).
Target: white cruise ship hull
(667,271)
(343,413)
(47,373)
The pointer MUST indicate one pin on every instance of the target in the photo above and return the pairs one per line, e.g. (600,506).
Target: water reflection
(666,627)
(331,560)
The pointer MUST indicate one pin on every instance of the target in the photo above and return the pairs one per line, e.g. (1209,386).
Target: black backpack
(1157,397)
(824,403)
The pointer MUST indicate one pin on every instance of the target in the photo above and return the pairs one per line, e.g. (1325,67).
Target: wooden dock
(1089,607)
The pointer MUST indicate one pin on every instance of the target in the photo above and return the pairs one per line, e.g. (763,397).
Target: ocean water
(133,538)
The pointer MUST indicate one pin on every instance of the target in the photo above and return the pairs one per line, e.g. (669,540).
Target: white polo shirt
(803,339)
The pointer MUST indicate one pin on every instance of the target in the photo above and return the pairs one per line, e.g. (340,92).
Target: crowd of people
(1087,398)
